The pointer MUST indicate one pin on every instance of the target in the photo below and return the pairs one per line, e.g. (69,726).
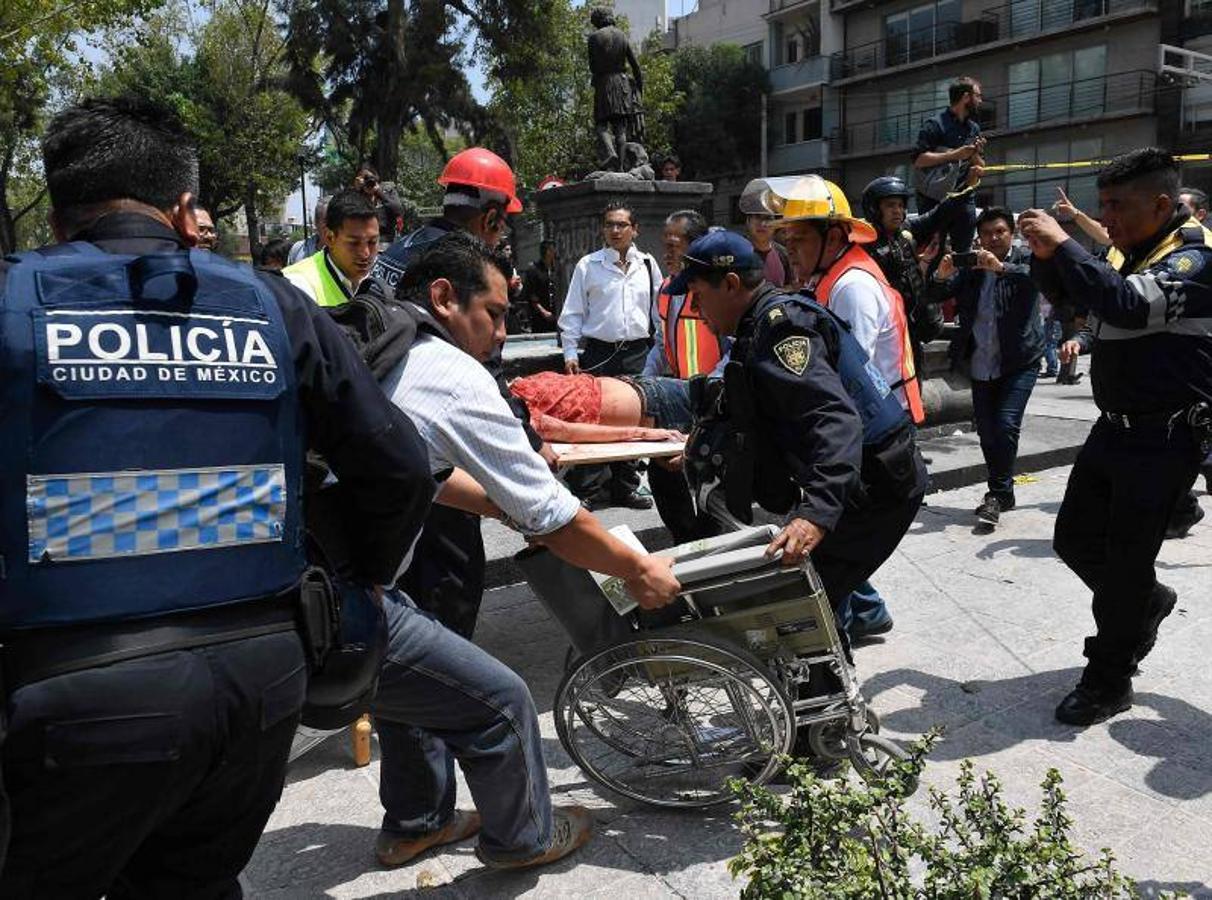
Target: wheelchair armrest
(719,565)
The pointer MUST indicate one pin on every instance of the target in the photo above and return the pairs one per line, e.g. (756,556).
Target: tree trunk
(254,223)
(8,225)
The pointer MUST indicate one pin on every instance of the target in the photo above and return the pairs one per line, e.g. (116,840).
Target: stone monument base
(572,215)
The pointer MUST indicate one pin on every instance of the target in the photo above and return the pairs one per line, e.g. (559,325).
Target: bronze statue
(617,114)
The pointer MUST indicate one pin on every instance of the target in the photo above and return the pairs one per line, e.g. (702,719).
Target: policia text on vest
(129,345)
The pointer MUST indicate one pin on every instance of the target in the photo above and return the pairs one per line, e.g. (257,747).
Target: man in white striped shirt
(606,328)
(440,697)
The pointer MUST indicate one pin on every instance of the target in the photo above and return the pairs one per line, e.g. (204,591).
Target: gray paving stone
(988,637)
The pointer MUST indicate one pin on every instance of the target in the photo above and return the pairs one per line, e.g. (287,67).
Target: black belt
(34,655)
(1128,421)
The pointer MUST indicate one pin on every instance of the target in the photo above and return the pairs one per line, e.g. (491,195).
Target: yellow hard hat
(803,198)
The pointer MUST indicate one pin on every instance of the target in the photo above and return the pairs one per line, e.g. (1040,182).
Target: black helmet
(881,188)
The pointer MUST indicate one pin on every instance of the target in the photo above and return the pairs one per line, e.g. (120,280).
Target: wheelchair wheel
(827,740)
(874,757)
(668,720)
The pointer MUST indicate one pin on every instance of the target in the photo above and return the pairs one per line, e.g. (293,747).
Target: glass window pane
(1022,105)
(921,32)
(946,22)
(895,123)
(896,39)
(1090,82)
(1024,17)
(789,128)
(812,123)
(1055,78)
(1056,15)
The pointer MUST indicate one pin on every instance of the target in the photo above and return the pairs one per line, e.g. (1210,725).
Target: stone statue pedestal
(572,215)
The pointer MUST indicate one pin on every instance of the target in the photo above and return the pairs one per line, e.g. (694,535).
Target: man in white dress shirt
(606,328)
(440,697)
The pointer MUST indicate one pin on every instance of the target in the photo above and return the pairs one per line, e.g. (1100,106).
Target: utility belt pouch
(891,467)
(319,616)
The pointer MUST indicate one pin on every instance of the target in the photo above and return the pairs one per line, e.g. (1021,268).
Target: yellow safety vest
(320,283)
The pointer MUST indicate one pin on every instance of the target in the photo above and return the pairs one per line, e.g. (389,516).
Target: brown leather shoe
(571,827)
(393,850)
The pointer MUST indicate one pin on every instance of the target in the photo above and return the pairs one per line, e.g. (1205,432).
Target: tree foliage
(225,83)
(38,44)
(842,840)
(718,128)
(372,69)
(548,110)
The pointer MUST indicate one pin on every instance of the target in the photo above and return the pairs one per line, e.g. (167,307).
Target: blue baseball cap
(716,251)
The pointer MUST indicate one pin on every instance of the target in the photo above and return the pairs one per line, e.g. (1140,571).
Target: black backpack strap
(652,308)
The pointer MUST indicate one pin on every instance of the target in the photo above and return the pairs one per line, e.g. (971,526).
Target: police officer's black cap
(716,251)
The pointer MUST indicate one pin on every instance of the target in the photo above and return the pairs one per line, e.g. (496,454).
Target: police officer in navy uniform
(1151,318)
(157,403)
(849,480)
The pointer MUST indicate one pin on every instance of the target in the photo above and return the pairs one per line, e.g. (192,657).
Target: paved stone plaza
(988,638)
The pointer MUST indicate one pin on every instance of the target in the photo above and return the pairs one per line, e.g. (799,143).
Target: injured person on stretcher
(588,409)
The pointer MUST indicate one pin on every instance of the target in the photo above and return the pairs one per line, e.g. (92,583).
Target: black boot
(1161,604)
(1089,704)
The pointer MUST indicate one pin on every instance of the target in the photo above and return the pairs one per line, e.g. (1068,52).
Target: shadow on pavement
(1026,548)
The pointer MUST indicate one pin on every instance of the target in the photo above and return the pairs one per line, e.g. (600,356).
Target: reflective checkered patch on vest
(114,514)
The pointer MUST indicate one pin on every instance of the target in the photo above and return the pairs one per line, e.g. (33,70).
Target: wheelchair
(665,707)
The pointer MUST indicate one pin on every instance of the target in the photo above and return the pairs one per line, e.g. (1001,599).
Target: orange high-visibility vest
(691,348)
(858,258)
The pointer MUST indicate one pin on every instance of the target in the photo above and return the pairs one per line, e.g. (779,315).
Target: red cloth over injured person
(587,409)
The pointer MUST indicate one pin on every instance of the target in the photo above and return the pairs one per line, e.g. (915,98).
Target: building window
(813,123)
(1057,86)
(1029,17)
(789,131)
(921,32)
(792,53)
(753,52)
(1028,188)
(905,109)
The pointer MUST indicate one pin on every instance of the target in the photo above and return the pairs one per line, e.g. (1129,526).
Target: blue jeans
(863,608)
(998,406)
(1052,336)
(665,400)
(442,698)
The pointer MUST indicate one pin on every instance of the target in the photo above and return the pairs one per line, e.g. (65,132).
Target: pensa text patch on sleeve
(122,353)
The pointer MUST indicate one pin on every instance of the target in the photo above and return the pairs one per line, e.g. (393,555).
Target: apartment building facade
(1063,80)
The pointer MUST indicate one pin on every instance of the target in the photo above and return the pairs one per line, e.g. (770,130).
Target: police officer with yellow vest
(157,402)
(333,274)
(1151,308)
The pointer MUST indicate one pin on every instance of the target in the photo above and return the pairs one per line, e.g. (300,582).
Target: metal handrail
(1012,19)
(1080,98)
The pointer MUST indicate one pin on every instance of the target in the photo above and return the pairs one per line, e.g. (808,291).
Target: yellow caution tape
(1078,164)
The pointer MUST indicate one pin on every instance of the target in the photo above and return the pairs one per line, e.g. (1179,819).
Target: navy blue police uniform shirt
(800,403)
(945,130)
(1151,329)
(373,448)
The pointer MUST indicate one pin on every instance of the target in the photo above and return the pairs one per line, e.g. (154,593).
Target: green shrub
(843,839)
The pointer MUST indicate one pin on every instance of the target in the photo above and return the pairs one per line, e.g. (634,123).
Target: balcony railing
(788,77)
(802,157)
(1014,110)
(1018,19)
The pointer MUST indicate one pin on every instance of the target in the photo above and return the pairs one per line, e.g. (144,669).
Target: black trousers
(602,358)
(675,504)
(1121,493)
(868,532)
(959,227)
(152,777)
(446,575)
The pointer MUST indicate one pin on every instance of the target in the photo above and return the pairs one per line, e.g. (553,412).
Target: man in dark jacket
(1000,340)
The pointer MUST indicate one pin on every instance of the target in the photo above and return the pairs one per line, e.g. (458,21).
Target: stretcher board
(617,451)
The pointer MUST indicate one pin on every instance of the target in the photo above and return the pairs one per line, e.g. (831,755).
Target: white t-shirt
(859,301)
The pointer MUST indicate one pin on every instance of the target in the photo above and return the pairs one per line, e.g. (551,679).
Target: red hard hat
(481,168)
